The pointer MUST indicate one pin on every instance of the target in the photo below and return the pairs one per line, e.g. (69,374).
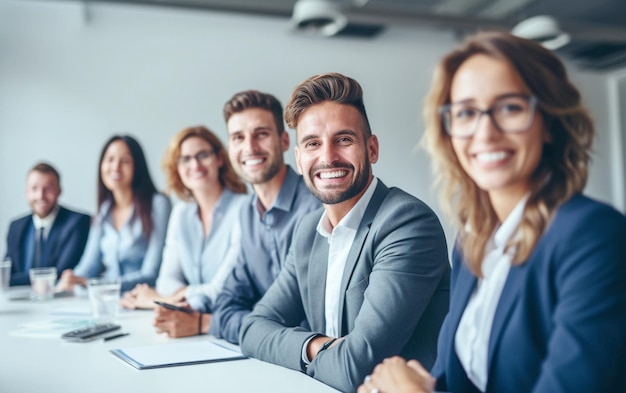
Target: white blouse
(471,340)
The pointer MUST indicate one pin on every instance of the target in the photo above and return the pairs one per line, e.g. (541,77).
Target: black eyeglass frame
(444,109)
(199,157)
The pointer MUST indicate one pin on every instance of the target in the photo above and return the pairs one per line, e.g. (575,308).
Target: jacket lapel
(317,281)
(505,306)
(52,243)
(22,228)
(465,285)
(357,245)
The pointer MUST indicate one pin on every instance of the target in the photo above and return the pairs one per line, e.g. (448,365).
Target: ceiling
(597,28)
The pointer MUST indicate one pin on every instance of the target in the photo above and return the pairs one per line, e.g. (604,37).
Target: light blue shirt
(201,263)
(126,254)
(265,242)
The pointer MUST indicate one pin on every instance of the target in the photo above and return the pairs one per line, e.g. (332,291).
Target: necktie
(39,247)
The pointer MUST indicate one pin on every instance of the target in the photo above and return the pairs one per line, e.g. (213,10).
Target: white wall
(617,103)
(68,82)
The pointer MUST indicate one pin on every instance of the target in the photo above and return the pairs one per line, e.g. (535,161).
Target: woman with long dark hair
(127,236)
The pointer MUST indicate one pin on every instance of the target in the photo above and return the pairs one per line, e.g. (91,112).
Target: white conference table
(34,364)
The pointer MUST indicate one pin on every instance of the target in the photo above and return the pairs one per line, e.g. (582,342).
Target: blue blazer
(560,324)
(64,245)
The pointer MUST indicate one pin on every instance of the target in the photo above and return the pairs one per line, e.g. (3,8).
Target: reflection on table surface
(49,364)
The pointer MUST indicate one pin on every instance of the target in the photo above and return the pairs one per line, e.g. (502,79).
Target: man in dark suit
(369,274)
(51,235)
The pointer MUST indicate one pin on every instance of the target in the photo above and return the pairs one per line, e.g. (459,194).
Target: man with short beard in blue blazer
(51,235)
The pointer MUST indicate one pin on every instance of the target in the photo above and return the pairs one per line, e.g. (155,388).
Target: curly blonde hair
(562,170)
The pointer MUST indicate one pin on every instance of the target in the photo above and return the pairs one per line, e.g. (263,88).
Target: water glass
(42,280)
(5,274)
(104,297)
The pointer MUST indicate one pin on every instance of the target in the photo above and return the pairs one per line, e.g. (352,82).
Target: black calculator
(89,333)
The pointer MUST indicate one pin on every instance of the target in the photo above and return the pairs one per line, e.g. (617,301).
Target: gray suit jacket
(395,292)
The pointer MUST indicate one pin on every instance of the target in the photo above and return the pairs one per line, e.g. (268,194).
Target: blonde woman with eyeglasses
(538,301)
(203,233)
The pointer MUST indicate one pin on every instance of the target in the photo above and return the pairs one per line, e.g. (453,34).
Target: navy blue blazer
(560,325)
(64,244)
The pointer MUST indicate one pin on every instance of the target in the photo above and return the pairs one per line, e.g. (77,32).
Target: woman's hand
(396,375)
(142,296)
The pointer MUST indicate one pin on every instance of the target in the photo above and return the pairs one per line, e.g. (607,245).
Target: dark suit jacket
(64,244)
(394,294)
(560,324)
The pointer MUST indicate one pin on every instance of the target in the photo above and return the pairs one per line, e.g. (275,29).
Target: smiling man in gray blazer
(368,274)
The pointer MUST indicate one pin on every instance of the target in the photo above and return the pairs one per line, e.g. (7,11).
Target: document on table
(176,354)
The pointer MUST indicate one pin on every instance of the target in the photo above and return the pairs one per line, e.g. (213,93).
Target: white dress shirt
(340,239)
(46,222)
(471,340)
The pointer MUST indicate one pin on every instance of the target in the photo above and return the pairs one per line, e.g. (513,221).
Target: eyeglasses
(509,114)
(201,156)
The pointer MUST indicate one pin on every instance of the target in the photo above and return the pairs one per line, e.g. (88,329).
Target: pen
(173,307)
(116,336)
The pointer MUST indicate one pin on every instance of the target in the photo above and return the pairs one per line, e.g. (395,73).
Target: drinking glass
(42,280)
(104,297)
(5,274)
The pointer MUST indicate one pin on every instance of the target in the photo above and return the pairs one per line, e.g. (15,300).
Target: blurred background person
(127,236)
(50,235)
(538,297)
(203,235)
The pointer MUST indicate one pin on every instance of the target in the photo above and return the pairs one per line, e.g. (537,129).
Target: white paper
(176,354)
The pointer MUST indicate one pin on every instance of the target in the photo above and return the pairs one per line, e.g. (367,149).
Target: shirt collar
(353,219)
(224,200)
(47,221)
(286,195)
(106,207)
(510,224)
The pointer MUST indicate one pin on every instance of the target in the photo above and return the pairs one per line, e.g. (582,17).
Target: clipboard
(176,354)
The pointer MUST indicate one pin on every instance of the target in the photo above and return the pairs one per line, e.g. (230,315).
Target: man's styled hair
(332,87)
(562,170)
(44,167)
(255,99)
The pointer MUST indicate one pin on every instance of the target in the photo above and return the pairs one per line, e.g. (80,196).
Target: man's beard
(330,197)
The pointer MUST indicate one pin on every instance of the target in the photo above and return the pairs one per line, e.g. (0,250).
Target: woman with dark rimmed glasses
(538,301)
(203,235)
